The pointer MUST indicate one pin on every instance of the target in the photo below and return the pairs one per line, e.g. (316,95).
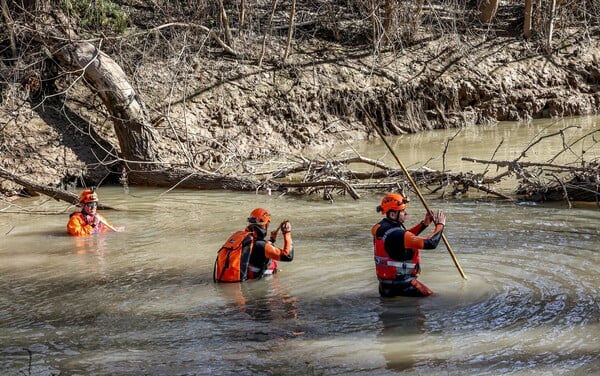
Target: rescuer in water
(397,260)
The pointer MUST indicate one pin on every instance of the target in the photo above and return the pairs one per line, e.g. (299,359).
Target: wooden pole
(414,185)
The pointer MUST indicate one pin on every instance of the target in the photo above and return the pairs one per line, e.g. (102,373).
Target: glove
(285,227)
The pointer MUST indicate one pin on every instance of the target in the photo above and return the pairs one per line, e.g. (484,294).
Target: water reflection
(403,329)
(262,300)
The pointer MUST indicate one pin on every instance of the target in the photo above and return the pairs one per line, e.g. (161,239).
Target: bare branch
(290,31)
(205,29)
(264,41)
(225,24)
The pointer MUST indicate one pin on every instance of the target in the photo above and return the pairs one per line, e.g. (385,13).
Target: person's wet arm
(281,254)
(413,241)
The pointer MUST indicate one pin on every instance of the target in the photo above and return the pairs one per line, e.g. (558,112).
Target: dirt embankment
(217,114)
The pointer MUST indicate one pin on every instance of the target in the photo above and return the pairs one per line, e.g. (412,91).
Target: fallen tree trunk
(189,179)
(33,189)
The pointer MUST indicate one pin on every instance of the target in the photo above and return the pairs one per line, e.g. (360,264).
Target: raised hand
(428,218)
(440,218)
(285,226)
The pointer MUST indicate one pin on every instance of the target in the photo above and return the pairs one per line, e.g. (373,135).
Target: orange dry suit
(264,256)
(81,224)
(397,260)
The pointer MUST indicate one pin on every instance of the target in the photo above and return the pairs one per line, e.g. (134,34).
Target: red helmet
(87,196)
(392,201)
(259,216)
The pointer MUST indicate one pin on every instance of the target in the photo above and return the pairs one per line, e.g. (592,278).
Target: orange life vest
(387,268)
(78,225)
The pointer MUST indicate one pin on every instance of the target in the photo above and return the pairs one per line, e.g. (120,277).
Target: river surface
(142,302)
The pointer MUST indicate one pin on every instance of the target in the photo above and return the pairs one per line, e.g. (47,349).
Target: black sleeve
(433,242)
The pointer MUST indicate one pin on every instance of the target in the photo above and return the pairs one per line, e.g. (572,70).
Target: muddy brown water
(143,302)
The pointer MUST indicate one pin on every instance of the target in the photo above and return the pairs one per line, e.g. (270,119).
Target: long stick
(414,185)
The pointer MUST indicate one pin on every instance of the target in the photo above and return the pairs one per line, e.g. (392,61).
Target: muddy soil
(226,114)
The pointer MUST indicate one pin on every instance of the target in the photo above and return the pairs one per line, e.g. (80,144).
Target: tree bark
(551,26)
(488,10)
(9,26)
(290,31)
(389,24)
(266,32)
(225,24)
(137,138)
(242,15)
(373,7)
(527,31)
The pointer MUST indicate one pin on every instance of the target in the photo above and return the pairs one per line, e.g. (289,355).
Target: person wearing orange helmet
(264,254)
(397,260)
(88,221)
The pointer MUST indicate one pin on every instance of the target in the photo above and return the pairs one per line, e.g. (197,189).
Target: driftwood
(552,182)
(539,181)
(309,176)
(549,181)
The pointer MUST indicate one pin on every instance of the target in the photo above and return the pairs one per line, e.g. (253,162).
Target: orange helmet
(259,216)
(87,196)
(392,201)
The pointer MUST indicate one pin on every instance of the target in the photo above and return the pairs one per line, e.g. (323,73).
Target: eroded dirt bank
(215,114)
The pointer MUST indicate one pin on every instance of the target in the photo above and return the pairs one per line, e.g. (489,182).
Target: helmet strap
(393,215)
(260,231)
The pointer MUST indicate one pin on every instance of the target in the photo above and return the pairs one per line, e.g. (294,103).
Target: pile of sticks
(537,181)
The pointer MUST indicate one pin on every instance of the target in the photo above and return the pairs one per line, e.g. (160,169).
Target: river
(142,302)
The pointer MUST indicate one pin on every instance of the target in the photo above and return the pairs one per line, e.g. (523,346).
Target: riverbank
(216,113)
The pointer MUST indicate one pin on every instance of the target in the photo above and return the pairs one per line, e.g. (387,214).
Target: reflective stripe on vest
(403,268)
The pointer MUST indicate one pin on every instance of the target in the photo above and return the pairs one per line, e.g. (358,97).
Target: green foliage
(100,15)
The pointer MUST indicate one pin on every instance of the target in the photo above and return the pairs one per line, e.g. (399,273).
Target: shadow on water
(263,310)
